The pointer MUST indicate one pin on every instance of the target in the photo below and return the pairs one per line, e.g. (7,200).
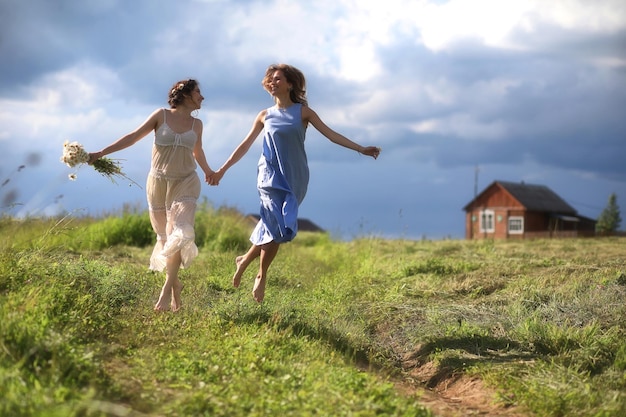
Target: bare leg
(268,253)
(242,263)
(171,283)
(177,289)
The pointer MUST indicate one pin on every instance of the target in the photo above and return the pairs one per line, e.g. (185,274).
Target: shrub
(129,230)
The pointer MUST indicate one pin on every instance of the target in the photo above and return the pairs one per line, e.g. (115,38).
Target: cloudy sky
(457,93)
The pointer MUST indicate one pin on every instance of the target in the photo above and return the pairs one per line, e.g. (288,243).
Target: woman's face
(278,84)
(196,98)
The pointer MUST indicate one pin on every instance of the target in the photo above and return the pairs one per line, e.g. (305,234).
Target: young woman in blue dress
(283,172)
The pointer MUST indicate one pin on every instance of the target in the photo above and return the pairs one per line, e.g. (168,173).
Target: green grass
(360,328)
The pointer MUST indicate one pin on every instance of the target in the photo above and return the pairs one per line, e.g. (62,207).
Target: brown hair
(180,90)
(294,76)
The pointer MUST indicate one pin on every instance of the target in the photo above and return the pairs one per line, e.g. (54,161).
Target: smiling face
(277,85)
(285,83)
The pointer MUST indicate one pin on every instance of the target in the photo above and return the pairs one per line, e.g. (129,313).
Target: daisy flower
(74,155)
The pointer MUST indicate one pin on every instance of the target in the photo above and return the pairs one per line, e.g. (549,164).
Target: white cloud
(487,21)
(493,22)
(67,104)
(593,16)
(80,86)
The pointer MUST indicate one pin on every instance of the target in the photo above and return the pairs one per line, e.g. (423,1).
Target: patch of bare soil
(444,390)
(449,394)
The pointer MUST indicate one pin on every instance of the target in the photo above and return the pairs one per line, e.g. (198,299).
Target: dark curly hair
(180,90)
(294,76)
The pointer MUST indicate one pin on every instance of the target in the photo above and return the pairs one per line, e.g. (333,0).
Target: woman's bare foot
(163,304)
(240,270)
(258,292)
(176,303)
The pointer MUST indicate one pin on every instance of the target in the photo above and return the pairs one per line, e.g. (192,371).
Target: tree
(609,219)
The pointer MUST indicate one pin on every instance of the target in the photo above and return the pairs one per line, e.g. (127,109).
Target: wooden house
(506,210)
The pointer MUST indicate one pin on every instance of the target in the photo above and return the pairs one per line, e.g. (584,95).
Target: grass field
(370,327)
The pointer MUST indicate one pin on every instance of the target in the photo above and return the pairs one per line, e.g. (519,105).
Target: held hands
(215,177)
(207,175)
(372,151)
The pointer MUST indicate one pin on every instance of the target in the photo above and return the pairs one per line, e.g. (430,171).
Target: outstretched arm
(240,150)
(129,139)
(309,116)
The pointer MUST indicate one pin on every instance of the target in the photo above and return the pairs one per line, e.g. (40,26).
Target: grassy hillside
(361,328)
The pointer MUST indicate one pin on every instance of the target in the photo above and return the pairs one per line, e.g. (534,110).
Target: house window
(516,225)
(486,221)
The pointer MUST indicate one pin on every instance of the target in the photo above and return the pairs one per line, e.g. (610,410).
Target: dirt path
(452,396)
(449,395)
(446,392)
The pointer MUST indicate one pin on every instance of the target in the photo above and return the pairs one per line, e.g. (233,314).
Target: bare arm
(309,116)
(198,152)
(131,138)
(242,148)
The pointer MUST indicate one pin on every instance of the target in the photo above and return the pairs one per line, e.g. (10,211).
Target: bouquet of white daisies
(74,154)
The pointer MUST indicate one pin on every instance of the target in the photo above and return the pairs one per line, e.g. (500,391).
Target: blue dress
(282,175)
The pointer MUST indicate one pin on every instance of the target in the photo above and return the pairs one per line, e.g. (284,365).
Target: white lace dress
(173,189)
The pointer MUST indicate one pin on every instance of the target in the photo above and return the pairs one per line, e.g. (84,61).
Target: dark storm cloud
(561,102)
(42,36)
(138,40)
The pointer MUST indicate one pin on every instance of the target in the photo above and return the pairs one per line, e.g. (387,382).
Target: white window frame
(489,217)
(521,223)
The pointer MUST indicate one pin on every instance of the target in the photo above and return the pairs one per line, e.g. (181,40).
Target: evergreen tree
(609,219)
